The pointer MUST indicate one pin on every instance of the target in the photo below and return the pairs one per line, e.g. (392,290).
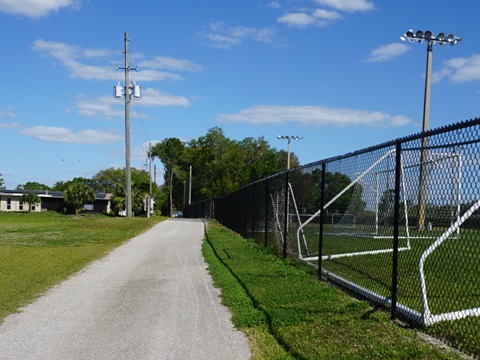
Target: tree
(63,185)
(2,184)
(170,152)
(334,184)
(76,195)
(30,198)
(113,181)
(219,165)
(33,185)
(222,165)
(109,180)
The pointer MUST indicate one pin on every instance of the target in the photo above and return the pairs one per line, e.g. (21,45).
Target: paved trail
(151,298)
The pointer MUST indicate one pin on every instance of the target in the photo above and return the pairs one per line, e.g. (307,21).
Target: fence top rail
(391,143)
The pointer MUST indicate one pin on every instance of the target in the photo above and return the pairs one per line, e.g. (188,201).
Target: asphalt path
(151,298)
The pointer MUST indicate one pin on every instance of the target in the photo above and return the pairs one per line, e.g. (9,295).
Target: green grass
(39,250)
(452,275)
(287,314)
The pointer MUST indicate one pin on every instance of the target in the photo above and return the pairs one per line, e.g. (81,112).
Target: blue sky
(332,71)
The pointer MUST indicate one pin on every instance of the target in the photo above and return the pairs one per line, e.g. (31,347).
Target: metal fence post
(266,213)
(245,212)
(396,225)
(253,209)
(322,217)
(285,225)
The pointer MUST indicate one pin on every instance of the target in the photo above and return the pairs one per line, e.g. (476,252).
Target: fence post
(285,225)
(245,212)
(266,213)
(253,209)
(396,225)
(322,217)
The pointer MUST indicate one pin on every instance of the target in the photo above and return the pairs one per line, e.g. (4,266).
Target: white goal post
(424,316)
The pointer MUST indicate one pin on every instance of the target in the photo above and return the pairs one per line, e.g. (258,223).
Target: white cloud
(8,112)
(460,70)
(274,5)
(318,17)
(108,108)
(69,56)
(9,125)
(64,135)
(388,52)
(169,63)
(221,36)
(104,106)
(348,5)
(314,116)
(35,8)
(152,97)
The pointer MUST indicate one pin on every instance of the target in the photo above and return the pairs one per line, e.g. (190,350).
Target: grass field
(287,314)
(38,250)
(451,272)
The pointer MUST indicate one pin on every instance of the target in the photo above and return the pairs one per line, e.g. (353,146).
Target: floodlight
(420,36)
(289,138)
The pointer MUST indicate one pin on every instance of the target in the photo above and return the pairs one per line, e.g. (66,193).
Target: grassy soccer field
(38,250)
(451,272)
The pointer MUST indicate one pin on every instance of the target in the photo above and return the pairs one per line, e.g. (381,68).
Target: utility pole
(128,171)
(128,89)
(149,200)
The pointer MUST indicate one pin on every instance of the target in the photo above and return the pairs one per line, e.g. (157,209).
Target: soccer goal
(445,208)
(284,213)
(364,210)
(370,212)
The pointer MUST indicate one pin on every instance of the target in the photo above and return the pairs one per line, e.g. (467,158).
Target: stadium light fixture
(289,138)
(420,36)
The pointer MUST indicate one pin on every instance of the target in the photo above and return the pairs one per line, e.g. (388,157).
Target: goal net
(359,219)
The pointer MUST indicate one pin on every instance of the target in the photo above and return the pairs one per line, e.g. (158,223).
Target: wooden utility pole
(128,171)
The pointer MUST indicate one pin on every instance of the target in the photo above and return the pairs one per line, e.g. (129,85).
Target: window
(20,206)
(9,204)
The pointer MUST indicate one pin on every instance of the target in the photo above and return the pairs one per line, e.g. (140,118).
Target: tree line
(218,165)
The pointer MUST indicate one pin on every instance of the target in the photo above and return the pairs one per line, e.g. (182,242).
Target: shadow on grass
(288,349)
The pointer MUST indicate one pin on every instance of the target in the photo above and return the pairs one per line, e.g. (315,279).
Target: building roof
(50,194)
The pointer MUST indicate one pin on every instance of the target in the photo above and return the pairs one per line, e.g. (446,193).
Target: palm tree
(78,194)
(30,198)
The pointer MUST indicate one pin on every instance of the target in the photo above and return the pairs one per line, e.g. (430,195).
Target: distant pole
(289,138)
(128,198)
(149,199)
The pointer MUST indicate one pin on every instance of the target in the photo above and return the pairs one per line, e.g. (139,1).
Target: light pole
(419,36)
(289,138)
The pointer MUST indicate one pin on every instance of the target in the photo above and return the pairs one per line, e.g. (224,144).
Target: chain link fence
(398,224)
